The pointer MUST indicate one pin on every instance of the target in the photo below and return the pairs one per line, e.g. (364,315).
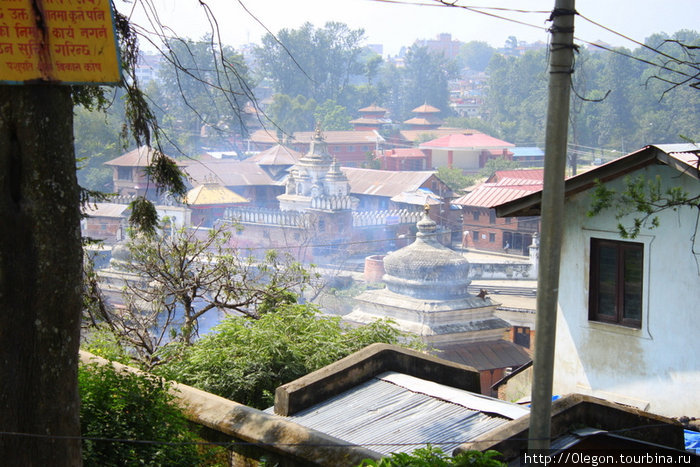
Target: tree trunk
(40,277)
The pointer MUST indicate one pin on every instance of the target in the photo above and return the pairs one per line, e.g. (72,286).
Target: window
(475,214)
(492,216)
(475,236)
(616,282)
(492,237)
(124,173)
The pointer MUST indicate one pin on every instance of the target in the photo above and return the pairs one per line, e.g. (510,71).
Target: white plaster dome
(427,269)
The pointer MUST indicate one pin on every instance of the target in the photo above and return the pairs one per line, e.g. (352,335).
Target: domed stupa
(426,269)
(426,294)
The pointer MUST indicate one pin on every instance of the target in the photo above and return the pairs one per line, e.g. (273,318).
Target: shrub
(119,408)
(246,360)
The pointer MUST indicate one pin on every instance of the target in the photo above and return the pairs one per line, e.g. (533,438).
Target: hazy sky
(396,23)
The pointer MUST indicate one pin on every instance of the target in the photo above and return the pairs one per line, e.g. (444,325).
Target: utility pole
(560,69)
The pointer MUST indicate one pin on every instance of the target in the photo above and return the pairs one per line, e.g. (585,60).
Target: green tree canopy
(118,406)
(316,63)
(201,92)
(246,360)
(475,55)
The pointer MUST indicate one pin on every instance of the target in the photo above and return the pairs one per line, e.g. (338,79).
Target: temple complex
(426,295)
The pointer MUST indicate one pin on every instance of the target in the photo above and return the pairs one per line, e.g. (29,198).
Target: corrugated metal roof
(139,157)
(419,197)
(229,173)
(529,151)
(487,355)
(525,175)
(338,137)
(105,209)
(277,155)
(489,195)
(384,182)
(458,141)
(399,413)
(682,157)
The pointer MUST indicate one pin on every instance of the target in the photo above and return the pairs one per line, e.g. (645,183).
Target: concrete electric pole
(560,69)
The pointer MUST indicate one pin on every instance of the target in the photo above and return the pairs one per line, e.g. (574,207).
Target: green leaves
(431,456)
(641,197)
(126,406)
(245,360)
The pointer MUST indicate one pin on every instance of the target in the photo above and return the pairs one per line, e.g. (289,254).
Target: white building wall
(657,367)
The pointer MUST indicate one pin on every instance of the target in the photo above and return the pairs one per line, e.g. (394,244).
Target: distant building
(426,118)
(148,67)
(483,230)
(443,44)
(105,221)
(467,152)
(129,173)
(530,156)
(351,148)
(371,118)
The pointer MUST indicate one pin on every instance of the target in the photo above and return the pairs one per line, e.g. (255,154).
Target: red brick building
(482,230)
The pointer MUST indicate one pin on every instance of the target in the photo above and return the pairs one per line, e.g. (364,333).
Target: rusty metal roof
(523,175)
(384,182)
(394,412)
(489,195)
(682,157)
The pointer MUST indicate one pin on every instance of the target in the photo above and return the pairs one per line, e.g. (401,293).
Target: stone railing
(389,217)
(333,203)
(266,216)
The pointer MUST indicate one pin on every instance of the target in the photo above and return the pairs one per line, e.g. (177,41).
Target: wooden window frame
(594,283)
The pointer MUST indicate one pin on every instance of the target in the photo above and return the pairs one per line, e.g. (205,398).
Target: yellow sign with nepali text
(58,41)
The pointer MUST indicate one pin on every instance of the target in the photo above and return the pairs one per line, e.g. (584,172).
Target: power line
(262,444)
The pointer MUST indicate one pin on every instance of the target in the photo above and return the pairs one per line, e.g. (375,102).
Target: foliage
(454,178)
(125,406)
(473,123)
(202,90)
(434,457)
(517,95)
(245,360)
(628,103)
(96,142)
(301,114)
(641,196)
(177,278)
(475,55)
(332,117)
(425,80)
(494,165)
(316,63)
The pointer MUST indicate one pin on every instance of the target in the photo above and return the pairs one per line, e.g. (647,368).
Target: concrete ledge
(576,411)
(269,432)
(363,365)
